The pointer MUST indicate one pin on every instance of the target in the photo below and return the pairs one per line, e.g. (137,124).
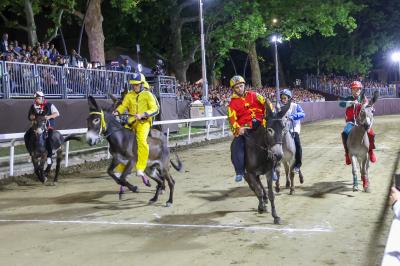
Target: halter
(103,125)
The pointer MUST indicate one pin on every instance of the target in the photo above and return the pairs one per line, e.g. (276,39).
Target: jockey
(142,106)
(351,113)
(41,107)
(295,114)
(245,111)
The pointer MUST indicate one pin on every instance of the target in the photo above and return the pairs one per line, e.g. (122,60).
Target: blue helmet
(286,92)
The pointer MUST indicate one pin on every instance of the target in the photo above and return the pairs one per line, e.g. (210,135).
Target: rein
(103,124)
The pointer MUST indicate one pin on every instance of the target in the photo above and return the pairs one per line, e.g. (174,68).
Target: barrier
(21,80)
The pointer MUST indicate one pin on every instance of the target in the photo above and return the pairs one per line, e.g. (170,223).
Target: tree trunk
(177,61)
(94,30)
(255,67)
(30,22)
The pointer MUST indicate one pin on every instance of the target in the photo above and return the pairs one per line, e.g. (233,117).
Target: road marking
(317,229)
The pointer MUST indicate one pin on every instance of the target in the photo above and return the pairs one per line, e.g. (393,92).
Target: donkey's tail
(178,165)
(72,137)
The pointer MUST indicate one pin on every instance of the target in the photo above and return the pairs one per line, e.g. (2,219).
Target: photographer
(159,68)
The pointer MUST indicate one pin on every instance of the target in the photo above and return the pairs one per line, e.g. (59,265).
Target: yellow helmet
(137,79)
(236,80)
(146,85)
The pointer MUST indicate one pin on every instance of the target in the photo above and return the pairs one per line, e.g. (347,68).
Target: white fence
(11,138)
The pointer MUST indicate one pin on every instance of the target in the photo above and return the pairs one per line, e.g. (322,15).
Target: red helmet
(356,85)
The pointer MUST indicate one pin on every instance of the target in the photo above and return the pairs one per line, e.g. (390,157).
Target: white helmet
(38,94)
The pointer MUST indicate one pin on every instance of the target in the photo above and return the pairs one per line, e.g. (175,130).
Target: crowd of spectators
(221,95)
(40,53)
(344,82)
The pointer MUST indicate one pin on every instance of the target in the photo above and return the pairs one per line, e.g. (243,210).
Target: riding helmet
(235,80)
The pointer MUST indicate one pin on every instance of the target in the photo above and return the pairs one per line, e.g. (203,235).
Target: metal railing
(13,137)
(21,80)
(314,83)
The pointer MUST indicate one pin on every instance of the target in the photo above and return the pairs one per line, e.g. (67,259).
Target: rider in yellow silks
(142,106)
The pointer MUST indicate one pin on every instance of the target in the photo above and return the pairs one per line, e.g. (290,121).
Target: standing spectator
(29,51)
(11,50)
(53,55)
(74,58)
(17,48)
(4,43)
(125,66)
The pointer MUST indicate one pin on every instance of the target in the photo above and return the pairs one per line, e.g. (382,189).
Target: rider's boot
(145,180)
(371,137)
(344,141)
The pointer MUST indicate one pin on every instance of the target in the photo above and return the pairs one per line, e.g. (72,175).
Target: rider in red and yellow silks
(353,106)
(245,111)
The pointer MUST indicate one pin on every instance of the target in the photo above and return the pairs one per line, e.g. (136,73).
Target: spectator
(17,48)
(395,201)
(125,66)
(74,59)
(4,43)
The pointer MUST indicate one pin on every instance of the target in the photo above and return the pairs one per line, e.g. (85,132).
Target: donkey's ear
(113,98)
(374,98)
(284,109)
(92,104)
(268,109)
(362,95)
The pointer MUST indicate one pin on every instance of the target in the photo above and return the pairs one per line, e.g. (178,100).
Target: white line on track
(316,229)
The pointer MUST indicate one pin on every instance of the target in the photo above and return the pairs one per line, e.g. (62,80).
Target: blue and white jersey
(295,113)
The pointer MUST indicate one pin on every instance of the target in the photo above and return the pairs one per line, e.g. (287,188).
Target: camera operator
(159,68)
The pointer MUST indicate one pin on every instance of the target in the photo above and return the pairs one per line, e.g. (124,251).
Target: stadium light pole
(396,58)
(203,54)
(275,39)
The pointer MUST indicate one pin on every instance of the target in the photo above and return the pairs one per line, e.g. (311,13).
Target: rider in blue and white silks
(295,115)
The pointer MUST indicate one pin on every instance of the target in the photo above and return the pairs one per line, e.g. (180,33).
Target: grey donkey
(288,159)
(358,141)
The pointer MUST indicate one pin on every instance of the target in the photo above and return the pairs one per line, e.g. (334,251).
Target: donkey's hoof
(301,179)
(152,201)
(168,204)
(277,189)
(134,189)
(262,209)
(291,191)
(121,196)
(277,220)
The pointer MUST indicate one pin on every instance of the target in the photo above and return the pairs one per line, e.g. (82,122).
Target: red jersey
(242,110)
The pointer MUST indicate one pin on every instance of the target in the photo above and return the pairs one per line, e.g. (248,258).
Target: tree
(354,52)
(243,24)
(20,15)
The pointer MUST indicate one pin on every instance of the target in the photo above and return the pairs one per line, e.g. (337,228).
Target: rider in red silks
(353,106)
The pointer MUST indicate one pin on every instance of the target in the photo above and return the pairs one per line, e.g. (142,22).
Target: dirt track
(82,222)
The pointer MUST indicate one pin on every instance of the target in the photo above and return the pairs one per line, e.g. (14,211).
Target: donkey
(288,159)
(123,149)
(358,142)
(263,150)
(36,145)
